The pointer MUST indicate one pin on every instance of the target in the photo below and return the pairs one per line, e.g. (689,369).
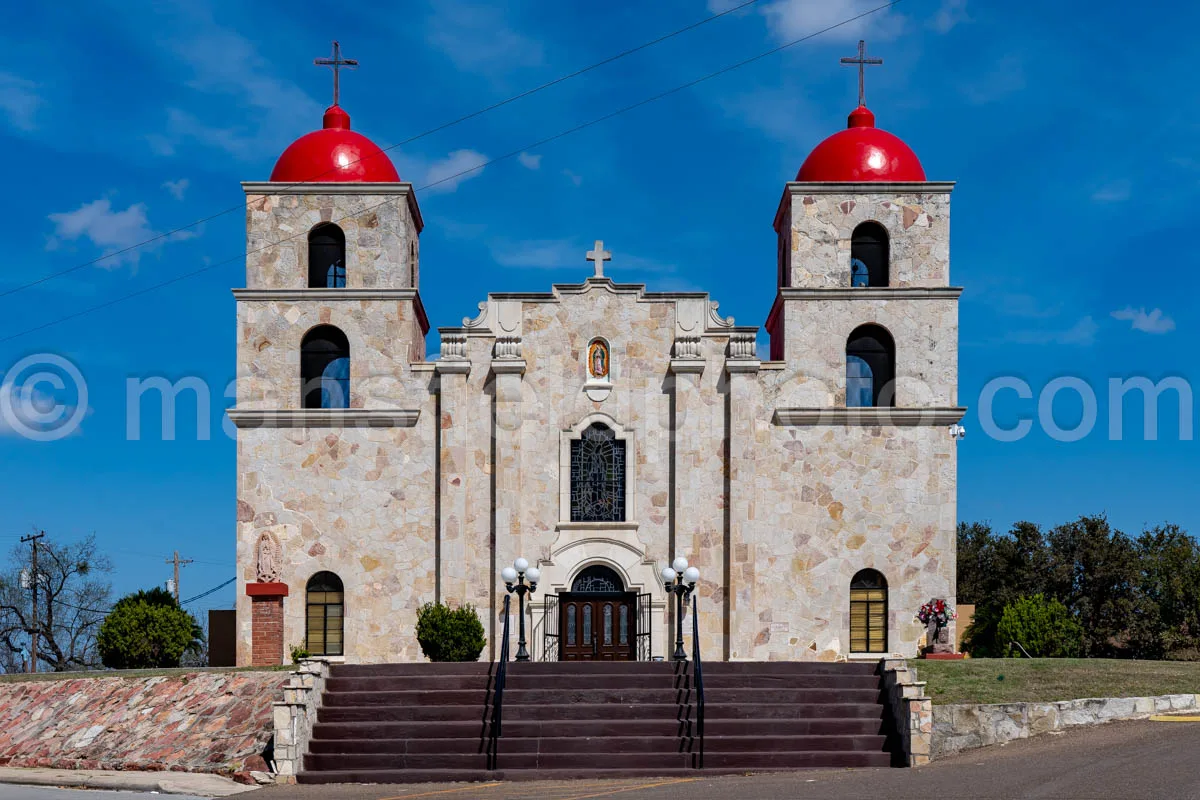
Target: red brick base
(266,625)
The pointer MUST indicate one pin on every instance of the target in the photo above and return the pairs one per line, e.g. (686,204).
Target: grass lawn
(1015,680)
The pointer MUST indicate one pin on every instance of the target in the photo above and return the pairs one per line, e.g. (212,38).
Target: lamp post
(680,580)
(514,581)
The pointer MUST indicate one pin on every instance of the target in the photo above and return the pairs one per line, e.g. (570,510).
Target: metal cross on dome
(863,62)
(598,256)
(337,62)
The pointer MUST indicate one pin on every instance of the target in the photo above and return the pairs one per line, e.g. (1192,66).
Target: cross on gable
(598,256)
(863,62)
(337,62)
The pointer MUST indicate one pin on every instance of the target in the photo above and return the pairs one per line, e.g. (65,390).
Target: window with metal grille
(597,476)
(868,612)
(325,617)
(326,257)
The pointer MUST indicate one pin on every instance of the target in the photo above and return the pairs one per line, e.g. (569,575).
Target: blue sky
(1071,134)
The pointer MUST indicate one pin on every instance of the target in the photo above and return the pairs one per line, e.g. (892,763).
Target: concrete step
(584,745)
(380,683)
(478,728)
(515,697)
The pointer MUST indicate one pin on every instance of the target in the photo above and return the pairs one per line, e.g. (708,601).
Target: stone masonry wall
(195,722)
(821,226)
(965,727)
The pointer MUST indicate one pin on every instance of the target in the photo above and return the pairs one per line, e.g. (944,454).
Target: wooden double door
(597,627)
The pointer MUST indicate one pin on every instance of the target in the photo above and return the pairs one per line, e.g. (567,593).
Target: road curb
(194,783)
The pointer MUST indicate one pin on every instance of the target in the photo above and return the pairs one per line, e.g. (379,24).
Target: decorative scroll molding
(324,417)
(479,321)
(454,345)
(716,319)
(873,293)
(743,345)
(269,557)
(687,347)
(870,417)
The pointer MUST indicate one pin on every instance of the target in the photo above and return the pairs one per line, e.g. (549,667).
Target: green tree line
(1082,588)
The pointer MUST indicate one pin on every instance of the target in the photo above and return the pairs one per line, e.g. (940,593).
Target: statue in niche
(598,362)
(269,557)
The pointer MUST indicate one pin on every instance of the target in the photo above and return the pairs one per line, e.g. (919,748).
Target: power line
(210,591)
(410,140)
(455,176)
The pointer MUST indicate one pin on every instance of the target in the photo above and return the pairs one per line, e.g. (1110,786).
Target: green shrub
(447,634)
(147,630)
(1043,627)
(299,653)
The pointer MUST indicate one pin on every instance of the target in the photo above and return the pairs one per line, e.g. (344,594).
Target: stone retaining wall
(965,727)
(189,722)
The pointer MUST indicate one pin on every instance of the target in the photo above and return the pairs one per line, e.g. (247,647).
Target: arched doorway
(597,618)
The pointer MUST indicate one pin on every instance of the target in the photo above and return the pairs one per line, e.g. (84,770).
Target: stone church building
(596,429)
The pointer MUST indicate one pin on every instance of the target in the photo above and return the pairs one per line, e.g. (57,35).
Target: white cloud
(446,174)
(1114,192)
(19,101)
(177,188)
(1139,320)
(573,178)
(529,161)
(1082,332)
(948,15)
(538,253)
(477,38)
(108,230)
(34,411)
(791,19)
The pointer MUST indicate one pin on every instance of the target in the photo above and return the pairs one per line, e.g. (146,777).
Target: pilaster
(457,578)
(742,401)
(507,421)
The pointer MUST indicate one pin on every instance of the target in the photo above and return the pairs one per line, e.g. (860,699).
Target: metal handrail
(698,679)
(498,693)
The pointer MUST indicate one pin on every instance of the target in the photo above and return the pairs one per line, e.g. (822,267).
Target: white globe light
(509,574)
(691,574)
(668,574)
(680,563)
(533,573)
(521,564)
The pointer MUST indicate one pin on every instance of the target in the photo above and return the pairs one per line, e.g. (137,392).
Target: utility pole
(178,562)
(33,631)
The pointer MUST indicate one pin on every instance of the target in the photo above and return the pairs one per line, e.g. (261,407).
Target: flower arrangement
(937,611)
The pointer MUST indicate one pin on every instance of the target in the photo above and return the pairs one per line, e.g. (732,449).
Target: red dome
(862,152)
(334,154)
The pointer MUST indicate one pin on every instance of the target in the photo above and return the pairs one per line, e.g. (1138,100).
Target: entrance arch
(597,618)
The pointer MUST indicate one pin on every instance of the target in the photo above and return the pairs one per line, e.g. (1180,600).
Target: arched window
(868,612)
(325,605)
(326,257)
(597,579)
(869,255)
(870,368)
(325,368)
(597,476)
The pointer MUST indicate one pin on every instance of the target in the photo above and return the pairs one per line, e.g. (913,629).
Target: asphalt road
(1120,761)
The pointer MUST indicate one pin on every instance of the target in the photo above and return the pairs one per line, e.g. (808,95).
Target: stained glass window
(587,623)
(597,579)
(624,638)
(597,476)
(571,623)
(608,623)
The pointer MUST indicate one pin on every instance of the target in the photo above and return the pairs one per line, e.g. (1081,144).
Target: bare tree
(72,602)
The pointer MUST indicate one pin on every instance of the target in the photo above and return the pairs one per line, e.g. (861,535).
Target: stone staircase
(400,723)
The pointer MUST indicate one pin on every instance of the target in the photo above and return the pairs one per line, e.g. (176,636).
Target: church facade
(597,429)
